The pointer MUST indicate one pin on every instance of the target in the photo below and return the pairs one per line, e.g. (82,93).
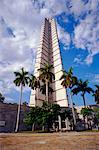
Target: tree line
(72,84)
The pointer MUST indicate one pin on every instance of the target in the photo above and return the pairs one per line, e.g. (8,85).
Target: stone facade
(8,114)
(49,52)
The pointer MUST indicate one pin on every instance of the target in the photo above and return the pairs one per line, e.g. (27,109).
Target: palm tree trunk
(84,106)
(66,123)
(36,96)
(84,100)
(67,97)
(43,128)
(74,118)
(18,113)
(47,90)
(33,127)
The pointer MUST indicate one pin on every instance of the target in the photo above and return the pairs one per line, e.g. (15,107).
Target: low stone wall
(8,115)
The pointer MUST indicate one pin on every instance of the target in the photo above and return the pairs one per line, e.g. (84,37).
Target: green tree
(46,76)
(44,116)
(48,115)
(83,88)
(69,81)
(67,114)
(96,116)
(96,94)
(55,110)
(33,117)
(86,112)
(34,83)
(96,110)
(20,80)
(2,98)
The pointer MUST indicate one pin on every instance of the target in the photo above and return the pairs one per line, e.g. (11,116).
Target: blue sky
(78,32)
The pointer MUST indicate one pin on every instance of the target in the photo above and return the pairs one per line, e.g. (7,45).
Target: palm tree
(20,80)
(68,81)
(2,98)
(96,94)
(83,88)
(34,83)
(46,76)
(43,89)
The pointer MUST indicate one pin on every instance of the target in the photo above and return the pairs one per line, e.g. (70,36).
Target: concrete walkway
(50,141)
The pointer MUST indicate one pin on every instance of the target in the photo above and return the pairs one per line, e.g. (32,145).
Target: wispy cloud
(97,78)
(78,60)
(92,77)
(86,37)
(20,23)
(86,31)
(64,37)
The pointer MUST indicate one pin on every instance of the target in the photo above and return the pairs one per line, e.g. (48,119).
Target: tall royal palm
(34,83)
(83,88)
(68,81)
(46,76)
(2,98)
(96,94)
(20,80)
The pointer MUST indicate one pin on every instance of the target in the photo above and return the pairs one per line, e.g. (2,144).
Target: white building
(49,52)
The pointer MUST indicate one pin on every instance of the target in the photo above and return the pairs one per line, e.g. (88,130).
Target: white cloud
(78,60)
(20,25)
(76,7)
(20,29)
(86,37)
(86,33)
(89,59)
(96,78)
(64,37)
(92,77)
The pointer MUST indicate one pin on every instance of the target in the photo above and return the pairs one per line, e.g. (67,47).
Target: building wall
(8,114)
(59,94)
(49,52)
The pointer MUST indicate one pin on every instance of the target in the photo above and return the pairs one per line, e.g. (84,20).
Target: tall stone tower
(49,52)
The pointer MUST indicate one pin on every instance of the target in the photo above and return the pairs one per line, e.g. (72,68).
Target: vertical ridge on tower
(49,52)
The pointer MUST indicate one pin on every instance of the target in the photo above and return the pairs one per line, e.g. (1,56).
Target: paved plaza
(50,141)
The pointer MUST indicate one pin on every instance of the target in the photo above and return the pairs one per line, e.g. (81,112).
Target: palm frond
(21,77)
(17,74)
(97,86)
(46,74)
(71,70)
(75,91)
(17,81)
(43,89)
(89,90)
